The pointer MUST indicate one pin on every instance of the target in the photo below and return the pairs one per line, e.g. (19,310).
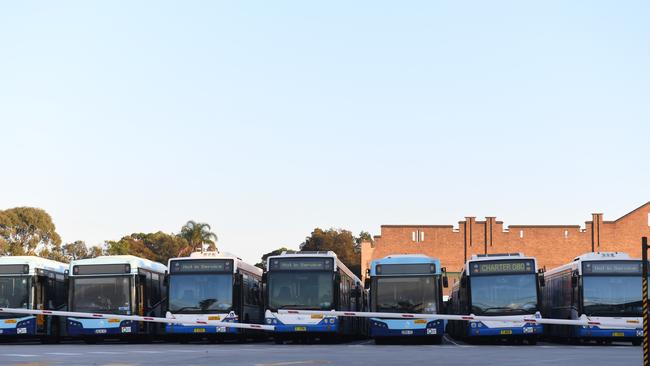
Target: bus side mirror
(264,275)
(356,292)
(166,280)
(574,280)
(540,278)
(366,283)
(445,281)
(463,282)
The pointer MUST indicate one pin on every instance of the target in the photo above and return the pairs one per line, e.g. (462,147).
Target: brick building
(552,245)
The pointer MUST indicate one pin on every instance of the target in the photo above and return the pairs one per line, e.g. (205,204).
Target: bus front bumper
(478,329)
(596,332)
(18,326)
(100,327)
(198,330)
(405,328)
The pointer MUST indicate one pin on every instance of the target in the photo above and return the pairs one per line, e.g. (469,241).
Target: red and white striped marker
(138,318)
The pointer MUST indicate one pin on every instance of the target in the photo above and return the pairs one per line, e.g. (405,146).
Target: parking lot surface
(364,353)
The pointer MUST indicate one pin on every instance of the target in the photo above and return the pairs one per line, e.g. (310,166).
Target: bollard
(644,254)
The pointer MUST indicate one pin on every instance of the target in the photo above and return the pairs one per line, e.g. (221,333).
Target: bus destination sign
(406,269)
(612,267)
(302,264)
(203,266)
(502,267)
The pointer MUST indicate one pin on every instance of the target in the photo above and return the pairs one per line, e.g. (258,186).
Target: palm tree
(198,235)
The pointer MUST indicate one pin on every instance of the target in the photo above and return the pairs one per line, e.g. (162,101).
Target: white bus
(601,286)
(312,281)
(504,285)
(120,284)
(212,286)
(30,282)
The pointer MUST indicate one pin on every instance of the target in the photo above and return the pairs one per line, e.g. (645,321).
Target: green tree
(27,231)
(340,241)
(157,246)
(76,250)
(262,263)
(363,236)
(197,235)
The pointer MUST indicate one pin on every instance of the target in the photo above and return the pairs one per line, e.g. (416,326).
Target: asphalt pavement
(362,353)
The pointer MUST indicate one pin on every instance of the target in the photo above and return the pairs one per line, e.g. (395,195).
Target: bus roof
(404,259)
(35,262)
(239,263)
(320,254)
(576,264)
(133,261)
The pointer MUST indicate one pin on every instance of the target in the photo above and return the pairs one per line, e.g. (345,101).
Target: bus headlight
(332,320)
(528,330)
(269,320)
(639,332)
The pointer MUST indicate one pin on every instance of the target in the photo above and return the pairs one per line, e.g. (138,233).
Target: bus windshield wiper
(299,306)
(185,308)
(503,308)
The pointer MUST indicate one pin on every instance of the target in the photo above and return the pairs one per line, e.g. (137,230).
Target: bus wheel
(637,343)
(532,341)
(435,340)
(381,341)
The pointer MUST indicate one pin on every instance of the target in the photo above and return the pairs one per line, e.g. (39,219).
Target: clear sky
(269,118)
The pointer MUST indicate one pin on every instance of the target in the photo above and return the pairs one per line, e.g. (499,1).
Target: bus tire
(637,343)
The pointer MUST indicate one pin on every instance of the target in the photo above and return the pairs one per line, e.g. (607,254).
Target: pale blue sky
(269,118)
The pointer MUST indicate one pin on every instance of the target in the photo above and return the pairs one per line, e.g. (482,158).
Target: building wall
(552,245)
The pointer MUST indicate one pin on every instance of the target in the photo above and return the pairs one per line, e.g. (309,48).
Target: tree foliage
(342,242)
(262,263)
(157,246)
(27,231)
(198,235)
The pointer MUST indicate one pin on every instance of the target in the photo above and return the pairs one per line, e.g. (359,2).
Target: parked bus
(312,281)
(213,286)
(504,285)
(406,284)
(120,284)
(602,286)
(30,282)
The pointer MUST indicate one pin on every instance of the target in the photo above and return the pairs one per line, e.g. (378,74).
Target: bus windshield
(104,294)
(301,290)
(200,293)
(406,294)
(14,292)
(504,294)
(612,295)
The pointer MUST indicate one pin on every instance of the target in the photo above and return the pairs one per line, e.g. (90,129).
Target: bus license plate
(407,332)
(618,334)
(100,331)
(199,330)
(300,329)
(506,331)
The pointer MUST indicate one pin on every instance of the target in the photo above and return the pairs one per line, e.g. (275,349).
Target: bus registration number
(506,331)
(300,329)
(618,334)
(100,331)
(407,332)
(199,330)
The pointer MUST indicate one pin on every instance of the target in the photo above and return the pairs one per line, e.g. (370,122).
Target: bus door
(141,295)
(41,297)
